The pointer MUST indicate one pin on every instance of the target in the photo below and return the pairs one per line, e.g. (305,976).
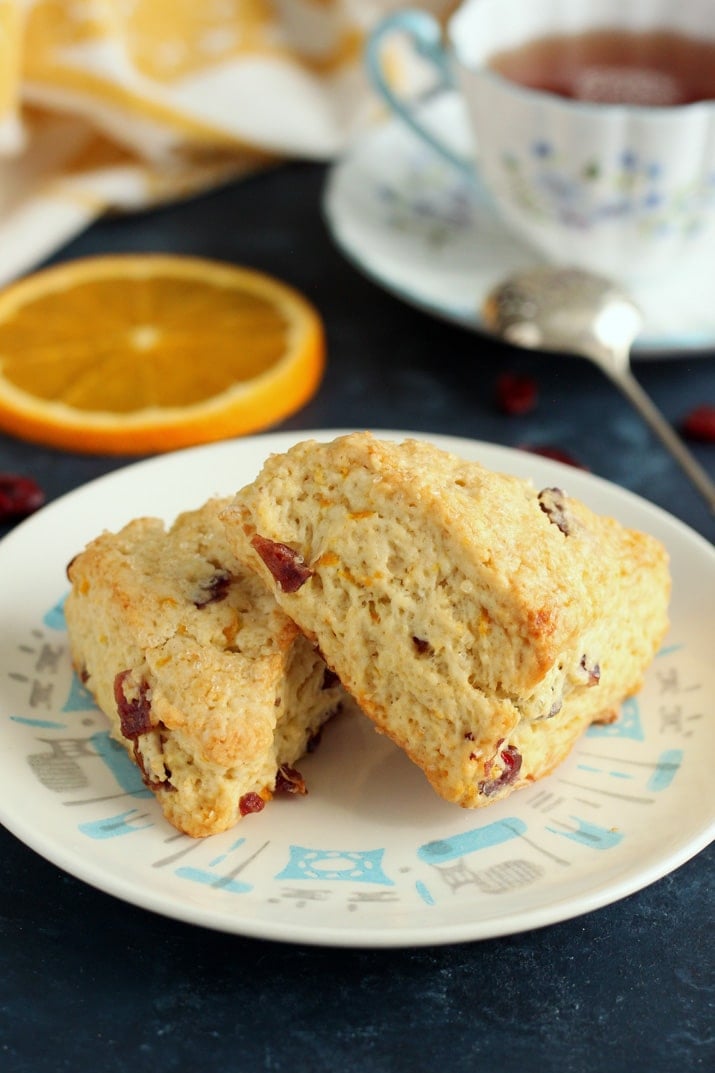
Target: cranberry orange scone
(480,623)
(211,688)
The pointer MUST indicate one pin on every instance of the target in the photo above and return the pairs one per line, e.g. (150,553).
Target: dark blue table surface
(91,983)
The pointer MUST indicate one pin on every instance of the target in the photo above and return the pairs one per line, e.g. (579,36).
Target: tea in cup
(593,122)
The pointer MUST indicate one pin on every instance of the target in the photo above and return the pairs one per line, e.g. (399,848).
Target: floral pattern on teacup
(547,186)
(427,199)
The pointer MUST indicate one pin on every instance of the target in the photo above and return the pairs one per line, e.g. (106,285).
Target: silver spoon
(568,309)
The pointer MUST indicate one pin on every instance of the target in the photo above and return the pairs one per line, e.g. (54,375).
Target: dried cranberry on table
(516,394)
(557,454)
(699,424)
(19,496)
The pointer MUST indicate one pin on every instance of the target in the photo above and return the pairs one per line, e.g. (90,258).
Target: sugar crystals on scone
(213,691)
(481,623)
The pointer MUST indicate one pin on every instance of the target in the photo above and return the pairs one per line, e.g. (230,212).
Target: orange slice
(141,353)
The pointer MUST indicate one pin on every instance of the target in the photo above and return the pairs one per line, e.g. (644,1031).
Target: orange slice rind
(140,353)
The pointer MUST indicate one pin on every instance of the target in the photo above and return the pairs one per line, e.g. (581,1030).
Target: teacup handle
(425,36)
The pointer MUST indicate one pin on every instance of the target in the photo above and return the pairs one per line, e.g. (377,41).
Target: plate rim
(74,862)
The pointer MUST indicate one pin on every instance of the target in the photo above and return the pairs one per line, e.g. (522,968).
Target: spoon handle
(665,431)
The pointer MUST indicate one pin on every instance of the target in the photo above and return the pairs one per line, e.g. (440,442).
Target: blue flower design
(597,191)
(559,187)
(542,149)
(612,210)
(652,200)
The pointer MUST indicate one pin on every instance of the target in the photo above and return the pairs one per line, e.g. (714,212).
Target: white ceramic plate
(371,857)
(414,225)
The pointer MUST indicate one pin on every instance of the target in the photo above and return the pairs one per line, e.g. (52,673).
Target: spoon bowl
(572,311)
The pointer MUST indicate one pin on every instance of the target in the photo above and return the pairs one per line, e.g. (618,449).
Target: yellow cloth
(122,103)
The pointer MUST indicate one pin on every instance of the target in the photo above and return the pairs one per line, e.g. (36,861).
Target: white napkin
(119,104)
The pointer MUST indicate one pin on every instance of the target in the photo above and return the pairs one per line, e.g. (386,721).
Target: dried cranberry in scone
(134,712)
(213,589)
(290,781)
(136,723)
(591,669)
(286,565)
(553,503)
(251,802)
(511,759)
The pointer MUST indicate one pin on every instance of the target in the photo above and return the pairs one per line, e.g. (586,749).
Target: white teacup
(619,188)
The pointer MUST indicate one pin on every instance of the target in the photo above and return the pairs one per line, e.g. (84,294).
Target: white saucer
(371,857)
(413,224)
